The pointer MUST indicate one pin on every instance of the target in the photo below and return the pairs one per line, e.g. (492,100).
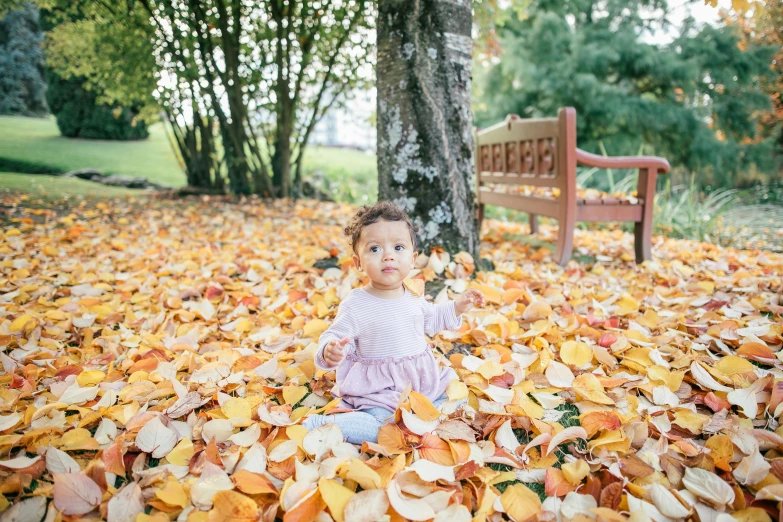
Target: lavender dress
(387,349)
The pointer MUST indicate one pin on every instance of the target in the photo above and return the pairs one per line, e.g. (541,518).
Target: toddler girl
(377,341)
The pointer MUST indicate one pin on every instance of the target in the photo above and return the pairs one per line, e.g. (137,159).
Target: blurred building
(351,126)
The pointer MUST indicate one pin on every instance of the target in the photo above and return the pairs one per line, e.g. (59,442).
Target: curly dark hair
(381,211)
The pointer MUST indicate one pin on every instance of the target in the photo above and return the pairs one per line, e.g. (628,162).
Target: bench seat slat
(596,213)
(540,206)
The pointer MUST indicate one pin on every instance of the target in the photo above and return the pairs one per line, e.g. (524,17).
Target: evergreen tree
(695,101)
(22,83)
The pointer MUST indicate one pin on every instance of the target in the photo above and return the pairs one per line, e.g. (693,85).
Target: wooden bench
(542,154)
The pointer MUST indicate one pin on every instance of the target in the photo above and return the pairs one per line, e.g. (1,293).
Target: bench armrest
(621,162)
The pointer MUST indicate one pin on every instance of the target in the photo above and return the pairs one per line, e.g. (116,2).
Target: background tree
(255,77)
(22,84)
(425,136)
(695,101)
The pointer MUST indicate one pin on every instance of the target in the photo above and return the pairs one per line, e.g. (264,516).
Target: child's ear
(356,262)
(415,257)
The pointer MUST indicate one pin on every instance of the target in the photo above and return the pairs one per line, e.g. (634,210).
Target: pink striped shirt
(386,328)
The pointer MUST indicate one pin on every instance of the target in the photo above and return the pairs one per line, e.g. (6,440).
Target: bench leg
(643,229)
(642,239)
(480,215)
(533,218)
(565,242)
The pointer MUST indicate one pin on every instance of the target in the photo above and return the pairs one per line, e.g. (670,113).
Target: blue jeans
(360,426)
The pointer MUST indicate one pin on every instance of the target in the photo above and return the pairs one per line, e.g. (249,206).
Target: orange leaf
(555,483)
(391,437)
(230,506)
(435,449)
(422,407)
(253,483)
(307,509)
(595,421)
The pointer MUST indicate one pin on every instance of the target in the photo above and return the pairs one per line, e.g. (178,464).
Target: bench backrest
(540,152)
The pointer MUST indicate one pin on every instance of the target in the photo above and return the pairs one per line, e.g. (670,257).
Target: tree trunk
(425,134)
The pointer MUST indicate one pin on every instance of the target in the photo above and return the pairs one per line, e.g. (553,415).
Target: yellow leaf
(336,496)
(243,325)
(293,394)
(237,408)
(491,294)
(90,378)
(422,406)
(314,328)
(588,387)
(78,439)
(456,390)
(173,493)
(362,474)
(296,432)
(490,369)
(230,506)
(520,502)
(20,323)
(415,286)
(575,472)
(627,305)
(731,364)
(182,453)
(576,354)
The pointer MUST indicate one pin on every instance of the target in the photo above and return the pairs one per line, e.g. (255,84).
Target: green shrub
(80,116)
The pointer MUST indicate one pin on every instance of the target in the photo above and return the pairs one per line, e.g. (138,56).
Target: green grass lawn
(56,187)
(347,175)
(37,140)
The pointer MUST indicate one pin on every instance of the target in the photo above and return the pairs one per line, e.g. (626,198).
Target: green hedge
(80,116)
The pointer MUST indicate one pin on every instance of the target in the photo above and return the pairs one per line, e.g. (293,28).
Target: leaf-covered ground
(158,361)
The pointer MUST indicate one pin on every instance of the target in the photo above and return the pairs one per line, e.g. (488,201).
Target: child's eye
(399,247)
(374,249)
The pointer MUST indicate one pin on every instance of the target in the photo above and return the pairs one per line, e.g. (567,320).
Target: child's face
(385,252)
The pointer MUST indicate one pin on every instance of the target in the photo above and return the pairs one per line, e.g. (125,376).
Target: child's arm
(448,315)
(344,327)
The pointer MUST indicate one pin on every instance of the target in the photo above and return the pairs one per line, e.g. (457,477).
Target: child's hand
(468,300)
(333,352)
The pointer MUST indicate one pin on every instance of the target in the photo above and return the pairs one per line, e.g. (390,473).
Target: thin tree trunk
(425,136)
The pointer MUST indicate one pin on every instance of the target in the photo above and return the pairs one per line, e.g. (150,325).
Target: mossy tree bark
(425,123)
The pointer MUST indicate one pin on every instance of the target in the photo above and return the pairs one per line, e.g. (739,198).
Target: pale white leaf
(212,480)
(431,471)
(667,503)
(218,429)
(106,432)
(574,432)
(9,421)
(156,439)
(75,394)
(30,509)
(254,459)
(708,486)
(75,494)
(505,438)
(247,437)
(283,451)
(408,507)
(559,375)
(367,506)
(745,398)
(20,462)
(752,469)
(704,378)
(58,462)
(275,418)
(575,504)
(126,504)
(320,441)
(418,426)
